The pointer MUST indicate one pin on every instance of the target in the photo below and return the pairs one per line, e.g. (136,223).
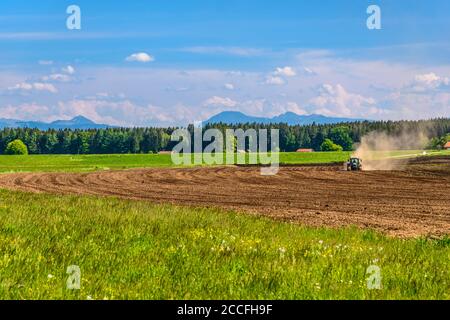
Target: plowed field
(405,203)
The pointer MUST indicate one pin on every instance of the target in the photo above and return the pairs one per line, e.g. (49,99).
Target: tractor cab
(354,164)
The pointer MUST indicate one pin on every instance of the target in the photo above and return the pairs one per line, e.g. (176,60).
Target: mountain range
(291,118)
(79,122)
(227,117)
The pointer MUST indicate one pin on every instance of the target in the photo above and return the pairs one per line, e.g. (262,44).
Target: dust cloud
(376,149)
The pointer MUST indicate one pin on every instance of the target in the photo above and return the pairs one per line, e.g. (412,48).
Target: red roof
(447,145)
(305,150)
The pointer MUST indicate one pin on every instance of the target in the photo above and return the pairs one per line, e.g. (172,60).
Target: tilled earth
(412,202)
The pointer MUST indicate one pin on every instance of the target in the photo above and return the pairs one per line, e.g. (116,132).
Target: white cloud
(219,102)
(140,57)
(285,71)
(294,107)
(274,80)
(38,86)
(68,70)
(101,111)
(65,76)
(127,113)
(418,106)
(22,86)
(45,62)
(429,81)
(424,97)
(58,77)
(359,88)
(44,87)
(337,101)
(308,71)
(428,78)
(179,114)
(229,86)
(25,111)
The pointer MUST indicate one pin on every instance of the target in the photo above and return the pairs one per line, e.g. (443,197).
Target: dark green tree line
(145,140)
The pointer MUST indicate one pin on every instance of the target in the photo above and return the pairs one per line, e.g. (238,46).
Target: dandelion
(282,251)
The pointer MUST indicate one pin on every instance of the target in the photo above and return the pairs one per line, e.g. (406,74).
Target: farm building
(305,150)
(447,146)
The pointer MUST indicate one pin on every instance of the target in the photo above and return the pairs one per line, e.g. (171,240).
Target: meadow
(75,163)
(137,250)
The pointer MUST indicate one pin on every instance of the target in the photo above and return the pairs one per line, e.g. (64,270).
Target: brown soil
(407,203)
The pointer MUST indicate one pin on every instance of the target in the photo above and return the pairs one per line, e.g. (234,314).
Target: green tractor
(354,164)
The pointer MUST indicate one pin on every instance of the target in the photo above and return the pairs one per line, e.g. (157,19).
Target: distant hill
(228,117)
(79,122)
(291,118)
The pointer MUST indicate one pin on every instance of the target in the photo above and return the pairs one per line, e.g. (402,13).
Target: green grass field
(136,250)
(126,161)
(82,162)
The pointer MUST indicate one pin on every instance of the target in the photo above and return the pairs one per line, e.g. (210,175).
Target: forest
(153,140)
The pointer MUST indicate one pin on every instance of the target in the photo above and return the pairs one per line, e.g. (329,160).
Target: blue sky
(172,62)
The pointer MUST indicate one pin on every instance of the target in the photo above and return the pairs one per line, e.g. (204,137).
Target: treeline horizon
(153,139)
